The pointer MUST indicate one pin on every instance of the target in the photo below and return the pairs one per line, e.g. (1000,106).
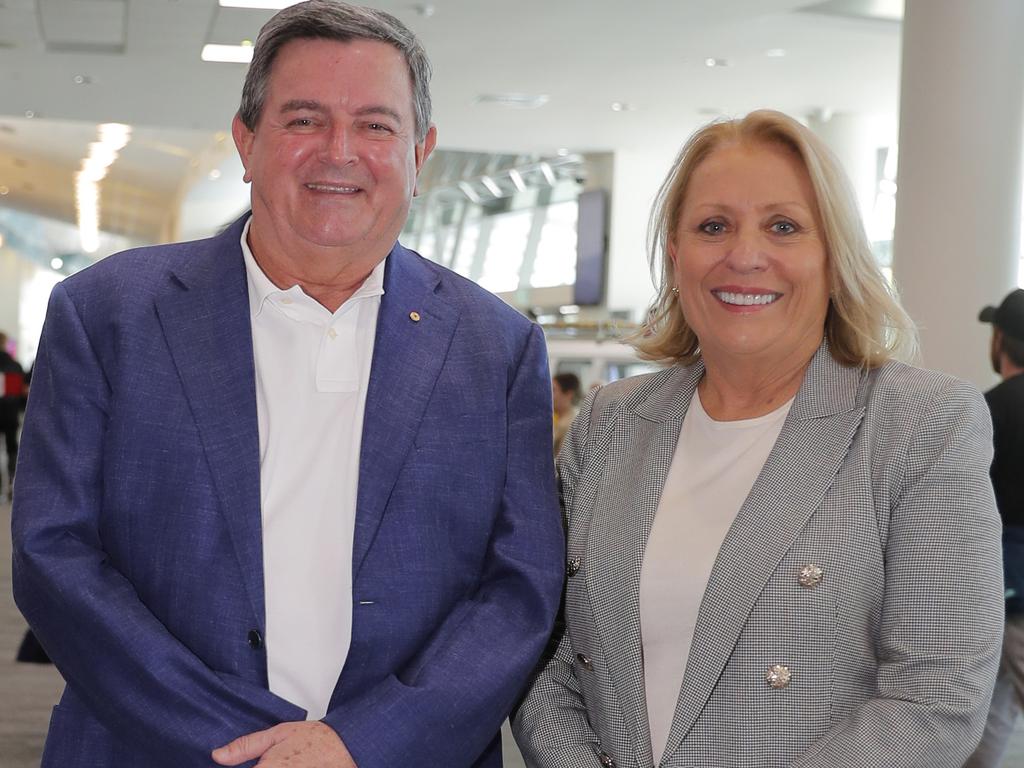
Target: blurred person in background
(565,394)
(12,400)
(286,493)
(1006,404)
(783,548)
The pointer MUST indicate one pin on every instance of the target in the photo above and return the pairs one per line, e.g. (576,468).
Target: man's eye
(301,122)
(379,127)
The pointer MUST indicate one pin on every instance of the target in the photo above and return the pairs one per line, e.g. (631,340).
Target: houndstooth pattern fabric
(881,480)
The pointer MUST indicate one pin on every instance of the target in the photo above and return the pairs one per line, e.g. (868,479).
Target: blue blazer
(136,521)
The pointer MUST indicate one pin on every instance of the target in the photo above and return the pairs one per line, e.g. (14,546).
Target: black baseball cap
(1008,316)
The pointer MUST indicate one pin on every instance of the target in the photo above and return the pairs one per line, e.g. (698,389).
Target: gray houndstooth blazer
(881,480)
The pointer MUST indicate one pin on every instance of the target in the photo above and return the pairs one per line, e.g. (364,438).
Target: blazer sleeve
(473,669)
(551,725)
(940,627)
(143,685)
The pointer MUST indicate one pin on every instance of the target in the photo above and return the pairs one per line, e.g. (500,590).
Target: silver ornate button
(810,576)
(572,567)
(585,662)
(606,760)
(778,676)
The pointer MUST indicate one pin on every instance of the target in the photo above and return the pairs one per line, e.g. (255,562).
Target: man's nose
(339,145)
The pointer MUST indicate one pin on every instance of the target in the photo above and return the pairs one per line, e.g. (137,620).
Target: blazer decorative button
(810,576)
(572,567)
(605,760)
(778,676)
(255,639)
(585,662)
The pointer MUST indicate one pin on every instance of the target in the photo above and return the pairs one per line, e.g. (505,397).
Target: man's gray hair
(334,20)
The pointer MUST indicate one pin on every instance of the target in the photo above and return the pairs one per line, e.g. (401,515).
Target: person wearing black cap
(1006,403)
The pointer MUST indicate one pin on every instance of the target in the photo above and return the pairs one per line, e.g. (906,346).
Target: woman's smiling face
(749,256)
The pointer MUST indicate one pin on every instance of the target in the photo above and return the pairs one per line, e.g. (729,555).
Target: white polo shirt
(312,372)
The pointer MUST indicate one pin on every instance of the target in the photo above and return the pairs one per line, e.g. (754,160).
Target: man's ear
(423,150)
(243,143)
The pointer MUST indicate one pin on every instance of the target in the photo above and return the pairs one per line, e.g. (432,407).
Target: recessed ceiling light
(56,262)
(214,174)
(229,54)
(562,152)
(82,79)
(514,100)
(425,10)
(622,106)
(29,114)
(713,62)
(775,53)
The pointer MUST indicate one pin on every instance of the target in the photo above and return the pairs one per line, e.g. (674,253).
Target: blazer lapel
(641,450)
(205,320)
(414,329)
(807,455)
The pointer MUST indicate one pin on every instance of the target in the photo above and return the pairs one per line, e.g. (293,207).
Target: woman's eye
(712,227)
(783,227)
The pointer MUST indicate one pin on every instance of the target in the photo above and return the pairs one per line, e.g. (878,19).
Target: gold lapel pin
(414,316)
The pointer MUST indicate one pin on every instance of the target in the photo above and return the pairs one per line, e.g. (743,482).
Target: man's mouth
(336,189)
(746,299)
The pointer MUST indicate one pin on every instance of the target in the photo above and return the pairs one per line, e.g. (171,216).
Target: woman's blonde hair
(865,324)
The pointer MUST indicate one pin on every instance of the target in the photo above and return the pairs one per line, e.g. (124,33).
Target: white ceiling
(137,62)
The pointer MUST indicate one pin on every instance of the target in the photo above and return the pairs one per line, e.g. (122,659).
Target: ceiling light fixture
(549,174)
(56,262)
(227,54)
(713,62)
(491,185)
(775,53)
(469,192)
(517,179)
(622,106)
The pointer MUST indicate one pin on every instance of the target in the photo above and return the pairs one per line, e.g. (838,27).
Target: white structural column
(958,207)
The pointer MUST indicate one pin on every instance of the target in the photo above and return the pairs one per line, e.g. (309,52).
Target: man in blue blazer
(286,494)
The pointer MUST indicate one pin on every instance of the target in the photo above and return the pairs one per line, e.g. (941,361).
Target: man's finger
(247,747)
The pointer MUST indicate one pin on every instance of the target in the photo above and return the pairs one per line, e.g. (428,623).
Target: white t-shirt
(713,469)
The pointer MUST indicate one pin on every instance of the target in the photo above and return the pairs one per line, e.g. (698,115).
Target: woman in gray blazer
(783,549)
